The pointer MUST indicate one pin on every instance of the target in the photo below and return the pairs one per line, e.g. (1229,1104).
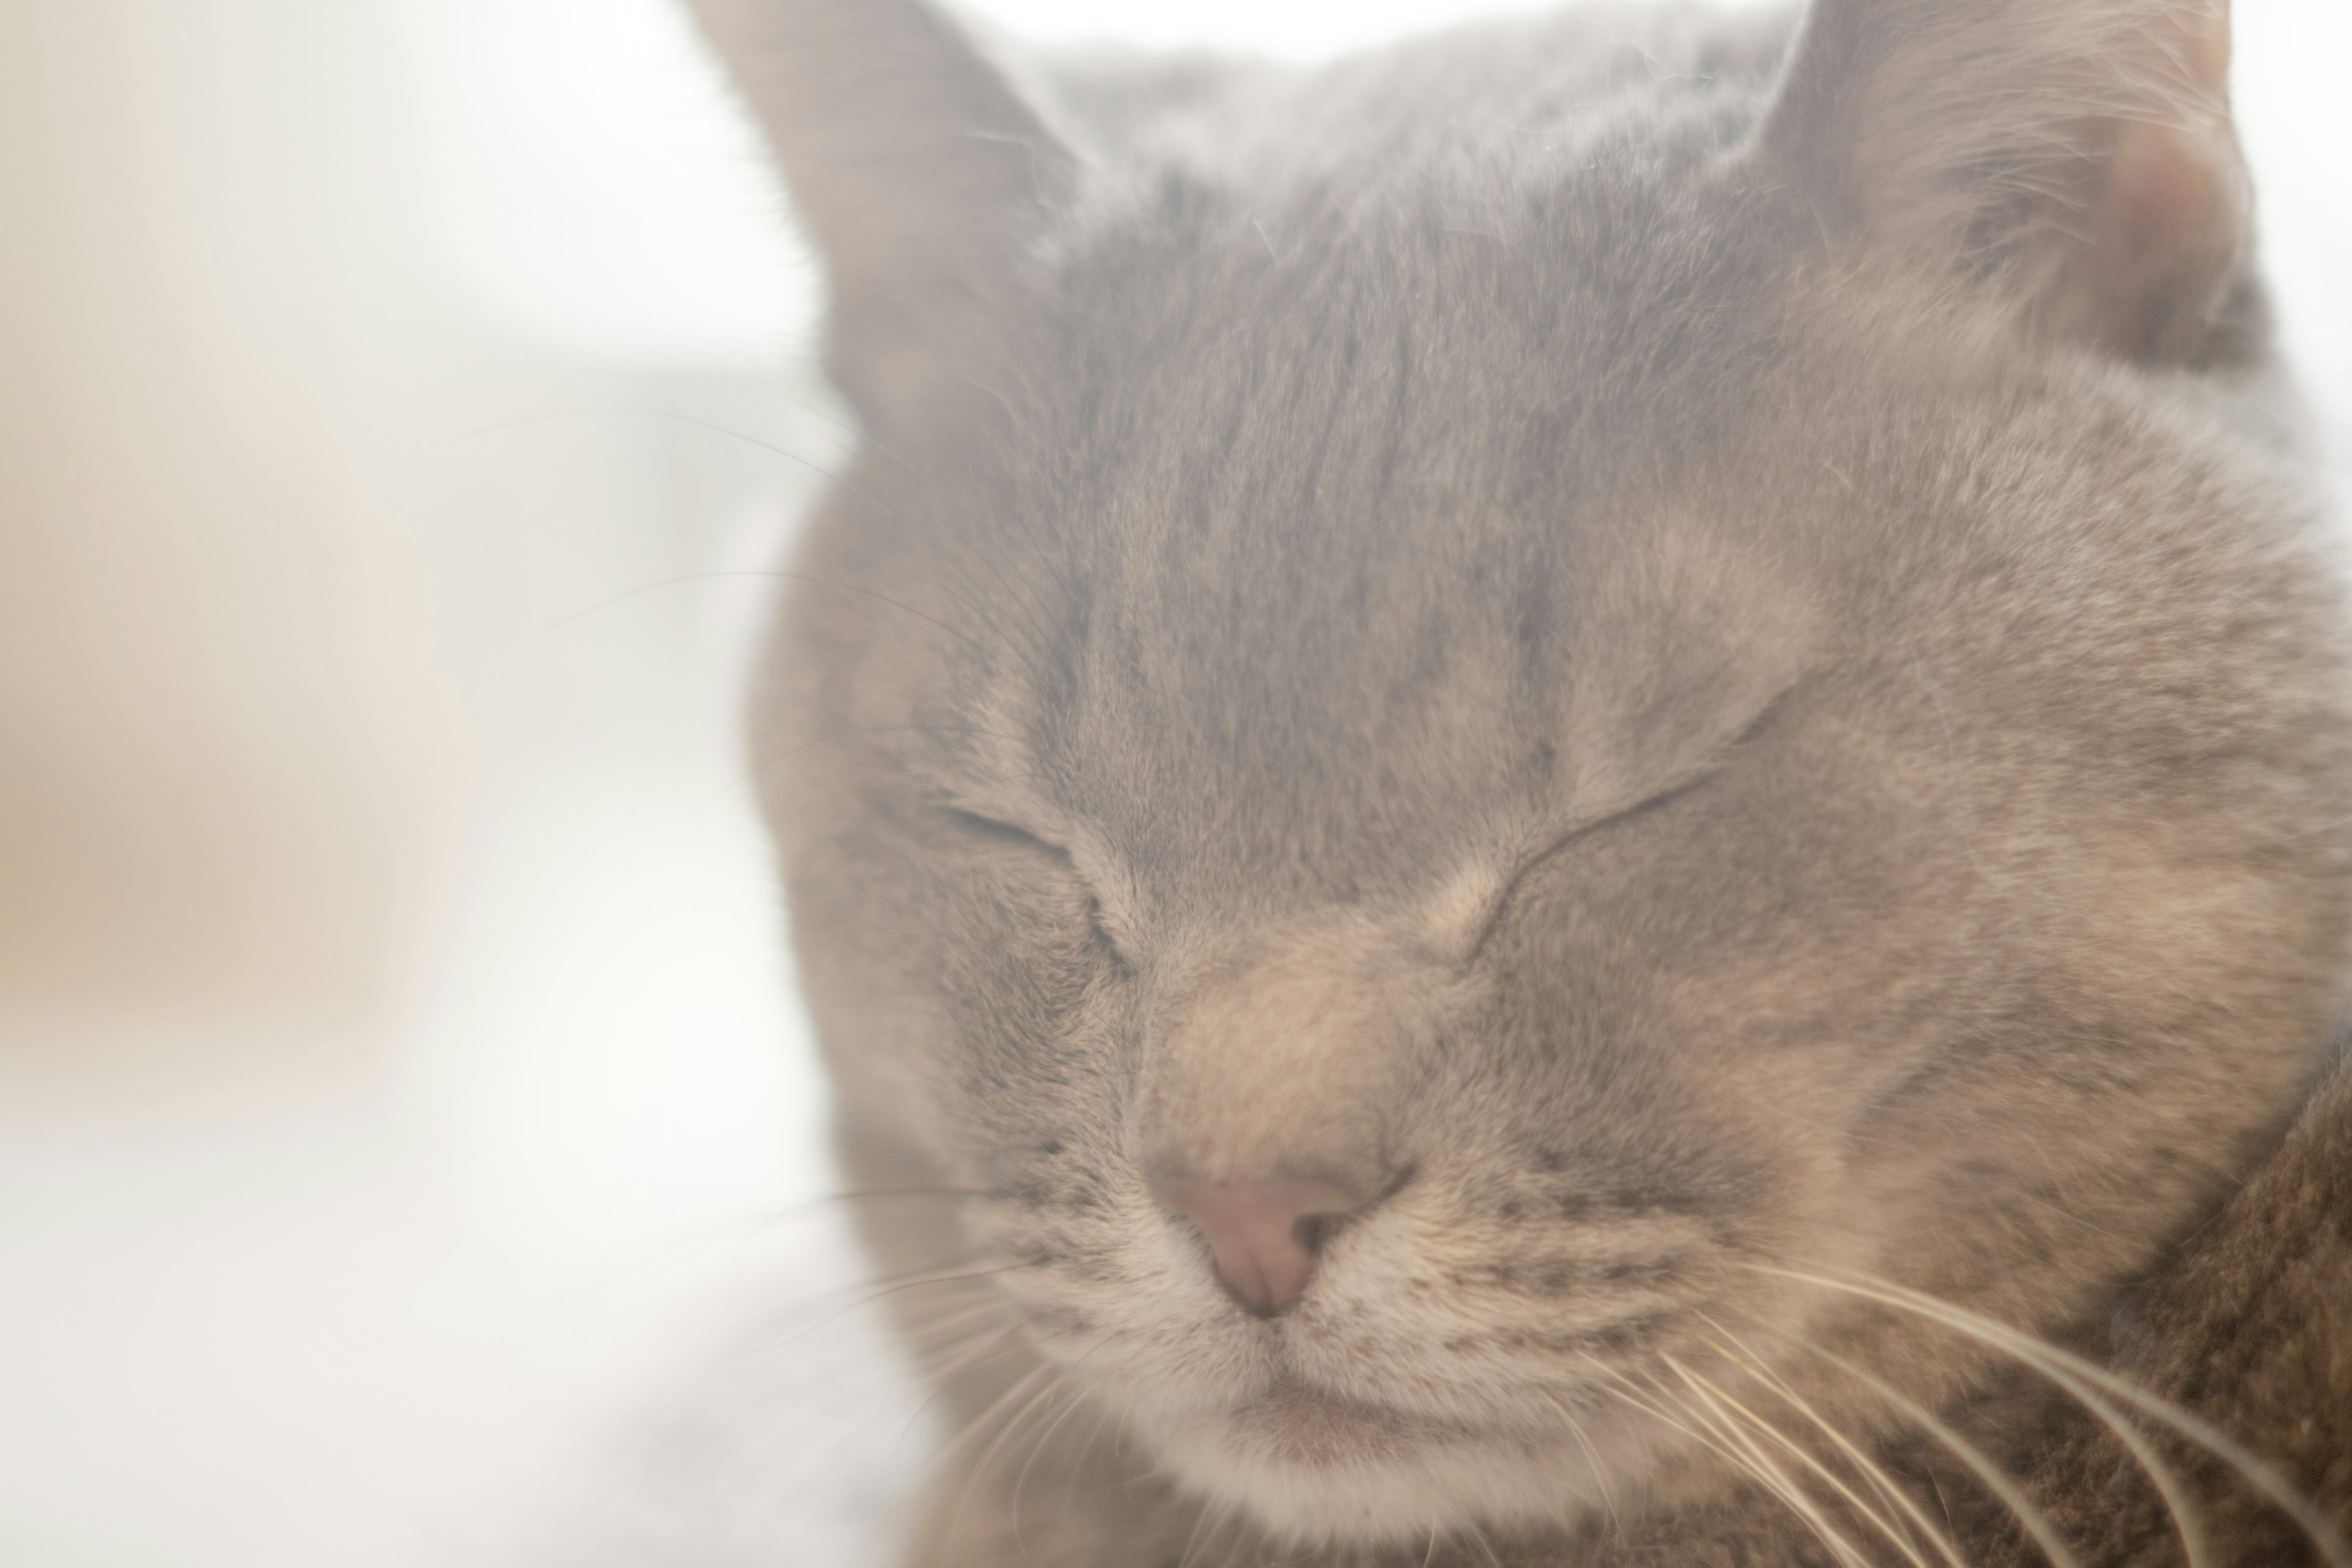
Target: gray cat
(1581,795)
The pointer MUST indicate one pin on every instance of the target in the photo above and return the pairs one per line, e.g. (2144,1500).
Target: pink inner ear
(2080,150)
(2159,249)
(2168,232)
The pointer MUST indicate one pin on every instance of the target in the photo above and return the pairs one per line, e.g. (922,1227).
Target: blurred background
(407,1139)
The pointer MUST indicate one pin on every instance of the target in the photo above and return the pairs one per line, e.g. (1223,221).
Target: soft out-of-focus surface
(407,1139)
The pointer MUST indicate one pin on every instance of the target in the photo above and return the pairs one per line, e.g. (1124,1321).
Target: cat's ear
(2078,153)
(917,168)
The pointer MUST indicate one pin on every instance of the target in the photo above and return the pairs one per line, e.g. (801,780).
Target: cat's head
(1466,713)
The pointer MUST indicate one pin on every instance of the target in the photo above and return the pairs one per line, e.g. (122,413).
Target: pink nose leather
(1264,1234)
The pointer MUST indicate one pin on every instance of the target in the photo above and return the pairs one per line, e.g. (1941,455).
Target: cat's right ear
(2076,156)
(915,165)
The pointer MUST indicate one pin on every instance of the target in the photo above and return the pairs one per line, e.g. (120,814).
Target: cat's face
(1630,764)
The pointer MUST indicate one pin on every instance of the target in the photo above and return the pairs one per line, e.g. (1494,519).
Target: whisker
(1569,1413)
(1837,1483)
(1884,1484)
(893,1288)
(945,1379)
(1075,1402)
(1705,1439)
(1038,1381)
(979,1351)
(1078,1402)
(592,410)
(1776,1478)
(1238,1523)
(976,1299)
(957,1325)
(768,762)
(885,1376)
(859,438)
(2000,1485)
(1773,1483)
(1192,1538)
(2052,1360)
(2160,1475)
(886,599)
(951,1333)
(1600,1472)
(794,1211)
(1085,1452)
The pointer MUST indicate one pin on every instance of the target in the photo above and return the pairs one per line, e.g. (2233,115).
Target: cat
(1581,794)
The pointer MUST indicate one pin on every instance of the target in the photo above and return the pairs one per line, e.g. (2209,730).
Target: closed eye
(997,830)
(1002,832)
(1746,736)
(1581,830)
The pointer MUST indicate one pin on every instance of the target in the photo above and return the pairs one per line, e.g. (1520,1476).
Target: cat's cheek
(1161,1344)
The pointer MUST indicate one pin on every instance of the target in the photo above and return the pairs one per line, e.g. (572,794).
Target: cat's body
(1495,743)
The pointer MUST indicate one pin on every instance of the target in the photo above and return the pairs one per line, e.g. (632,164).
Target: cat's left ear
(918,168)
(2076,154)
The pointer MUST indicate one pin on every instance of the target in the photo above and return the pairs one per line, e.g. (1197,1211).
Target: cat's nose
(1264,1234)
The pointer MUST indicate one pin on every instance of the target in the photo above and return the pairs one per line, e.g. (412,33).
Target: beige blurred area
(402,398)
(287,499)
(402,1105)
(233,751)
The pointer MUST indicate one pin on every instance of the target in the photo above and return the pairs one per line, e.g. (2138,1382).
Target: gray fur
(1709,666)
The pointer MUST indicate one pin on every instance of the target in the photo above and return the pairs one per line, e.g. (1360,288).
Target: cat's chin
(1321,1468)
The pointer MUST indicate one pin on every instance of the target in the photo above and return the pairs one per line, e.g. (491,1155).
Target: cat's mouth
(1296,1424)
(1317,1464)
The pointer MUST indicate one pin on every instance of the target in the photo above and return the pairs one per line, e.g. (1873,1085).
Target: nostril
(1264,1234)
(1313,1230)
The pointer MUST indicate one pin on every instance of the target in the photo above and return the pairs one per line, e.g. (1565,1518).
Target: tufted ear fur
(917,168)
(2076,152)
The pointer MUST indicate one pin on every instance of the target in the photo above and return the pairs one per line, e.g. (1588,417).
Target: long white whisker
(1192,1538)
(2058,1364)
(1020,1389)
(955,1274)
(2045,1359)
(2011,1494)
(1771,1481)
(1569,1415)
(1012,1424)
(1790,1492)
(988,1348)
(1085,1452)
(1600,1472)
(1886,1526)
(1881,1482)
(934,1336)
(1076,1402)
(2160,1475)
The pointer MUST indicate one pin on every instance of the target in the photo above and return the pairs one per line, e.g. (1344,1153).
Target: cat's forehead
(1358,565)
(1593,257)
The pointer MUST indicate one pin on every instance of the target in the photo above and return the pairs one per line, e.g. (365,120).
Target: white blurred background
(402,1100)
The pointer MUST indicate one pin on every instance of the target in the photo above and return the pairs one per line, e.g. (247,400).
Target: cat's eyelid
(1634,804)
(1581,827)
(1002,823)
(1002,810)
(1110,914)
